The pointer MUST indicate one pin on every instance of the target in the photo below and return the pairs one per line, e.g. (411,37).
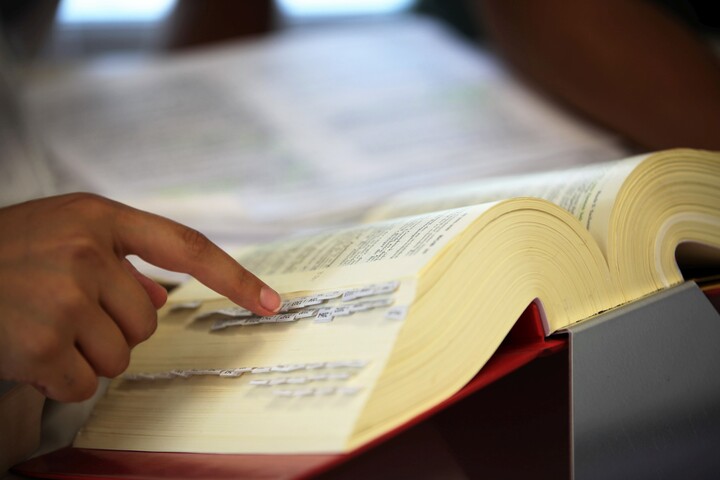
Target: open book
(383,320)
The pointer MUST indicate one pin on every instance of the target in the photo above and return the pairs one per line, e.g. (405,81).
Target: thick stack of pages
(384,320)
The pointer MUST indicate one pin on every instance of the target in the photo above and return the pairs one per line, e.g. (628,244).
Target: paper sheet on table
(253,140)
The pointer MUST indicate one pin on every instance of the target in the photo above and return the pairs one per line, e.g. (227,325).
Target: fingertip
(156,292)
(270,299)
(159,297)
(87,389)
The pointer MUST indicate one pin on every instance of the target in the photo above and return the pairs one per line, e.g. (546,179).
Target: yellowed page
(638,210)
(587,192)
(237,414)
(522,250)
(671,199)
(385,250)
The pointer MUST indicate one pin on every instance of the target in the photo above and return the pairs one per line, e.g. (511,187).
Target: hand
(72,306)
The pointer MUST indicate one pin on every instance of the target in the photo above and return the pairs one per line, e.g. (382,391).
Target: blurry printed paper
(303,128)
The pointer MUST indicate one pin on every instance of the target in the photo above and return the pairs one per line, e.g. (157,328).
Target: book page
(304,373)
(369,253)
(272,387)
(587,192)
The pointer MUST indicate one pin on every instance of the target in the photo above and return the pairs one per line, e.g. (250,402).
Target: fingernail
(270,299)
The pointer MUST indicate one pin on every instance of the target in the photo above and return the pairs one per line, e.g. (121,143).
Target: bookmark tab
(240,371)
(396,313)
(326,307)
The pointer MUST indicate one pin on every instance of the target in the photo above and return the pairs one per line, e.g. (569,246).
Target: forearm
(625,64)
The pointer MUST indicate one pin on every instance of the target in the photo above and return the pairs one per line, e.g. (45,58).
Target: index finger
(173,246)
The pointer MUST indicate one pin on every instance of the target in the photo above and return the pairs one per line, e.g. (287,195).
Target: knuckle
(88,202)
(45,345)
(244,276)
(70,384)
(69,304)
(196,244)
(87,206)
(83,249)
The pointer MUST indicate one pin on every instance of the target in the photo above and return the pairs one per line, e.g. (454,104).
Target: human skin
(72,306)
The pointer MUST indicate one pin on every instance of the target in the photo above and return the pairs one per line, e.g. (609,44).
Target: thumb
(156,292)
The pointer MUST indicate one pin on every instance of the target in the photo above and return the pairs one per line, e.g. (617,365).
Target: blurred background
(125,98)
(253,119)
(79,29)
